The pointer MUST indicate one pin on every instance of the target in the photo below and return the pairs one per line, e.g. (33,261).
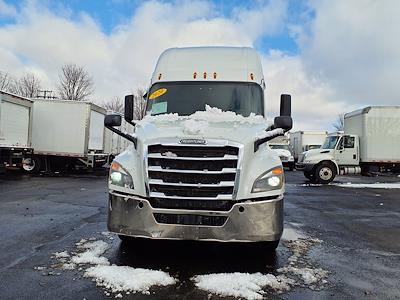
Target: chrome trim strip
(219,197)
(223,171)
(198,185)
(160,156)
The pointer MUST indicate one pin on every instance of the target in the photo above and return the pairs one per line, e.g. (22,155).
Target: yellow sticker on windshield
(157,93)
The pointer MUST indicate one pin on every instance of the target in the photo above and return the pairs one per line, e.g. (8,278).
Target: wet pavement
(359,231)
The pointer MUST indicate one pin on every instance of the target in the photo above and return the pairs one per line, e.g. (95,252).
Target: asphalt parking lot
(357,233)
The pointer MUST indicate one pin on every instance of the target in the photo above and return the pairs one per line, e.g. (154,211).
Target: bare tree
(115,104)
(27,86)
(5,81)
(139,109)
(75,83)
(339,123)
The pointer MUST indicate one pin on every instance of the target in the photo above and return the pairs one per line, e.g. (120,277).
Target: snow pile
(127,279)
(63,254)
(193,127)
(309,276)
(244,285)
(210,114)
(378,185)
(271,133)
(92,253)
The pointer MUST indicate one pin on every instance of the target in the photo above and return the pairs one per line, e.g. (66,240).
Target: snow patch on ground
(92,253)
(377,185)
(244,285)
(127,279)
(308,275)
(63,254)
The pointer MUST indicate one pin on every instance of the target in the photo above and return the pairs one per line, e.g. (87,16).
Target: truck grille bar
(191,172)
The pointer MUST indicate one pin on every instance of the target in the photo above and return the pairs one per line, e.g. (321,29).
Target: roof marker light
(194,75)
(215,75)
(205,75)
(159,76)
(251,76)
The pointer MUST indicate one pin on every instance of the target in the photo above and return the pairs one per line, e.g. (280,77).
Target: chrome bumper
(249,221)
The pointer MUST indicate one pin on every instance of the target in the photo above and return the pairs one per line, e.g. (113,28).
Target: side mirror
(129,104)
(285,121)
(112,120)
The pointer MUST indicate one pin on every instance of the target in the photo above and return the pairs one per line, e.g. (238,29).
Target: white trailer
(114,144)
(370,143)
(301,141)
(66,134)
(15,129)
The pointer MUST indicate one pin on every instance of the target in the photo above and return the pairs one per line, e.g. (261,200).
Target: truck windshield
(185,98)
(285,147)
(330,142)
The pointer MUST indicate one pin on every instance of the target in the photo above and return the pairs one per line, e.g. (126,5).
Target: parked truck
(281,145)
(370,142)
(15,130)
(66,135)
(301,141)
(198,167)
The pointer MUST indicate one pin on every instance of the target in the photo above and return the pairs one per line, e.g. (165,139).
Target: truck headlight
(119,176)
(270,180)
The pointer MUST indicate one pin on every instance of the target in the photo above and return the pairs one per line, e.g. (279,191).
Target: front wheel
(325,173)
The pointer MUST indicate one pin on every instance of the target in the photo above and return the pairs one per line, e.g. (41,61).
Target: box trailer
(281,145)
(301,141)
(66,134)
(15,130)
(370,143)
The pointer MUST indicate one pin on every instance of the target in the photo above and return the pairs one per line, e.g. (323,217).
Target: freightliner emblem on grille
(193,141)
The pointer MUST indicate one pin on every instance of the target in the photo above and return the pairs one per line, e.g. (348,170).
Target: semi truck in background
(66,135)
(370,143)
(199,168)
(301,141)
(15,130)
(281,145)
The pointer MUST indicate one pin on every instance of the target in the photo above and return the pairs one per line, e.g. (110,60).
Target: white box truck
(370,142)
(66,135)
(15,130)
(301,141)
(281,145)
(198,167)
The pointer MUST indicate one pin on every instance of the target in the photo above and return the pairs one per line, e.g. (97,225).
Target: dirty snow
(124,278)
(169,154)
(377,185)
(193,127)
(308,275)
(92,253)
(244,285)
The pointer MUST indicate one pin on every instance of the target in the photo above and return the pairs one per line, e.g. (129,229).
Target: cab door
(347,151)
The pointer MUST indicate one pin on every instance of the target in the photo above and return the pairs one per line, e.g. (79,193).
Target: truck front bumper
(247,221)
(304,167)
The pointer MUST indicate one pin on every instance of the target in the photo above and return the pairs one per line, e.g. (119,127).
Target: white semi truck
(198,167)
(370,142)
(15,130)
(66,135)
(301,141)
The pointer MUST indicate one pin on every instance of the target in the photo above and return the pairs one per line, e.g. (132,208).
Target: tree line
(74,84)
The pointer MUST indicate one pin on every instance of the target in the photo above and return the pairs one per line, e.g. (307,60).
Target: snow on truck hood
(213,123)
(282,152)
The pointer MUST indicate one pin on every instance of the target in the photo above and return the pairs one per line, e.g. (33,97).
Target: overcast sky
(332,56)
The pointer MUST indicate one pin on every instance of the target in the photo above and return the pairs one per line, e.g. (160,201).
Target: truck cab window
(349,141)
(340,144)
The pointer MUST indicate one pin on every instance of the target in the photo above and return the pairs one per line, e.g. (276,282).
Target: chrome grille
(191,172)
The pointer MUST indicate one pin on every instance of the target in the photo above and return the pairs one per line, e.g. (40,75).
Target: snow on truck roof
(209,64)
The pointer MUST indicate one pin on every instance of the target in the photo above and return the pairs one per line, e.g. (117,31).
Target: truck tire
(32,165)
(325,173)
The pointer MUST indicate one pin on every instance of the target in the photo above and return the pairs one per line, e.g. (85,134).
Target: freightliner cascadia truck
(369,143)
(199,167)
